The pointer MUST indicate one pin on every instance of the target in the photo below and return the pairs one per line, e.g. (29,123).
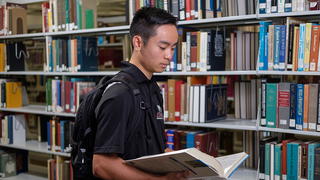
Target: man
(154,37)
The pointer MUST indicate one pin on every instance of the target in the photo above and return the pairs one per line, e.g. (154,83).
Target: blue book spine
(72,98)
(263,52)
(302,36)
(262,6)
(50,64)
(173,63)
(299,106)
(48,134)
(276,52)
(79,54)
(170,139)
(62,144)
(58,93)
(10,130)
(293,104)
(282,53)
(190,139)
(288,6)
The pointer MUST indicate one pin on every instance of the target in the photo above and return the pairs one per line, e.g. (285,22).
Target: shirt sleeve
(112,120)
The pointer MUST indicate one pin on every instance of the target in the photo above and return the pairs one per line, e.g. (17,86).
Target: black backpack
(85,123)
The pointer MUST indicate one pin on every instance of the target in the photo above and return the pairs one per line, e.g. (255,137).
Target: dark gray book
(284,104)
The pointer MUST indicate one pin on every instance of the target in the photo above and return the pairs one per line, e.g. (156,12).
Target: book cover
(216,102)
(193,160)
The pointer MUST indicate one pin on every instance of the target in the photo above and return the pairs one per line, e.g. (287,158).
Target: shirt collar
(136,73)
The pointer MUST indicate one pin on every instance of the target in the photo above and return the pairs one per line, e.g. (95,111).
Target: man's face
(157,53)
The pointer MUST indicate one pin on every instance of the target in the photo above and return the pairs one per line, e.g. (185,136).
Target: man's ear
(137,42)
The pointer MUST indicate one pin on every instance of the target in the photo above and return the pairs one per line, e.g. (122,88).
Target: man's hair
(147,19)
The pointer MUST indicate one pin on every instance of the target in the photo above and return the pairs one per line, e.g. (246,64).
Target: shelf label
(262,6)
(292,123)
(305,125)
(283,122)
(284,177)
(289,5)
(299,126)
(312,126)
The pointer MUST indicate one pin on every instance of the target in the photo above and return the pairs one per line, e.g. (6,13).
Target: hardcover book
(199,164)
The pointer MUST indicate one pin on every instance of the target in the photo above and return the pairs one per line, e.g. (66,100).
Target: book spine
(262,6)
(299,106)
(276,54)
(267,162)
(288,6)
(282,52)
(301,47)
(271,104)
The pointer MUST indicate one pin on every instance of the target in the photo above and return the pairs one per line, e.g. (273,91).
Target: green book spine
(277,161)
(79,14)
(267,161)
(271,104)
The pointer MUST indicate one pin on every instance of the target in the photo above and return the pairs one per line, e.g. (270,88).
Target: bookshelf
(231,124)
(35,146)
(36,109)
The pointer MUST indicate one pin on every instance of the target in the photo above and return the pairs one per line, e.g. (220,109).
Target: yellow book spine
(307,46)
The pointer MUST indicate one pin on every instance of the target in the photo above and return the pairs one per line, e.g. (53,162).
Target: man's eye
(162,48)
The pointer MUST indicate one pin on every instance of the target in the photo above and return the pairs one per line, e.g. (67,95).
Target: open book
(199,164)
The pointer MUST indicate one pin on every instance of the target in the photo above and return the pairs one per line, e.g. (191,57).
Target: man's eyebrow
(167,43)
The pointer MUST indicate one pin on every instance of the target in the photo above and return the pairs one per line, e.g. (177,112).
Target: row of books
(215,143)
(66,15)
(59,169)
(212,51)
(13,130)
(13,162)
(65,96)
(289,159)
(242,51)
(199,9)
(76,54)
(59,134)
(290,105)
(11,93)
(280,6)
(246,99)
(194,101)
(13,19)
(207,142)
(294,46)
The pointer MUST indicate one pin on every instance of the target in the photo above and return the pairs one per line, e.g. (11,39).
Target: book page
(231,162)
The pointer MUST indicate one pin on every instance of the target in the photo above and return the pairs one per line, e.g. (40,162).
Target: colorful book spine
(277,161)
(276,52)
(271,104)
(299,106)
(262,6)
(301,47)
(263,50)
(311,159)
(282,53)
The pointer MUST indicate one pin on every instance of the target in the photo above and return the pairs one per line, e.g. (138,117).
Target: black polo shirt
(117,129)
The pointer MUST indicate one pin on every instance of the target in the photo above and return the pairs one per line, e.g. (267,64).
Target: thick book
(199,164)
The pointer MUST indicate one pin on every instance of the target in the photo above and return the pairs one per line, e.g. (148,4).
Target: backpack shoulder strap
(126,78)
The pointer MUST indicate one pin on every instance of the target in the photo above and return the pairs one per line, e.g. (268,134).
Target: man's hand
(168,150)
